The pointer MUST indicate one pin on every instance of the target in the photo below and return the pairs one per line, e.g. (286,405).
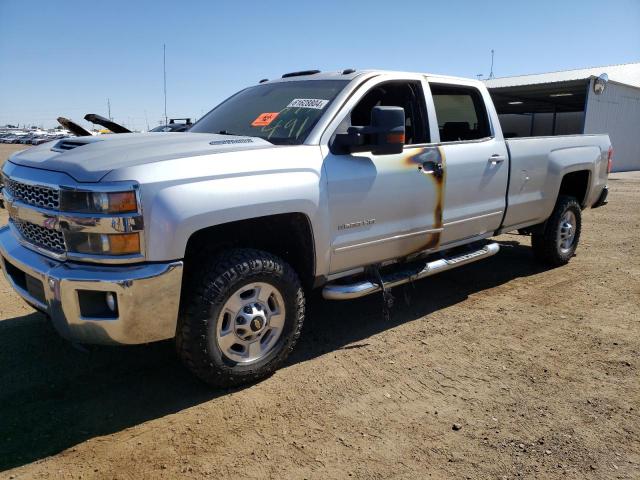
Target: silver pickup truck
(353,182)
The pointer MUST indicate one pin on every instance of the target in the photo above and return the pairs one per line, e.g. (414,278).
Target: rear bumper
(147,295)
(602,199)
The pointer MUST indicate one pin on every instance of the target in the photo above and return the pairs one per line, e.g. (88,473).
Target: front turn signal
(124,243)
(103,244)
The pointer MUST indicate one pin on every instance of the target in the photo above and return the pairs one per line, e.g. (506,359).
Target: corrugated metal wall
(617,112)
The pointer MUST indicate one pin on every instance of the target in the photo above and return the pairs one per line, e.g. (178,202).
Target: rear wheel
(556,243)
(241,319)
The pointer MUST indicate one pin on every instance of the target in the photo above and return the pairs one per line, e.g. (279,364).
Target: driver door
(384,207)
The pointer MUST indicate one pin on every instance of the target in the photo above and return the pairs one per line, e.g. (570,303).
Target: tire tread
(543,240)
(216,273)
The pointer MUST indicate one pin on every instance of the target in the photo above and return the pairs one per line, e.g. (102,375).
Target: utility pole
(109,109)
(146,120)
(164,69)
(491,72)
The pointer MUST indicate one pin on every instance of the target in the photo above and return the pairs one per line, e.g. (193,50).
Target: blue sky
(67,57)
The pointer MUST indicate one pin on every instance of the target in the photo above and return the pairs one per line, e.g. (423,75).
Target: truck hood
(89,159)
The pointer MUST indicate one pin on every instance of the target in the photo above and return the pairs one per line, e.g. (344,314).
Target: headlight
(103,243)
(98,202)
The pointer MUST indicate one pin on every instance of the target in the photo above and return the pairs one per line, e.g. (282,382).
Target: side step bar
(338,291)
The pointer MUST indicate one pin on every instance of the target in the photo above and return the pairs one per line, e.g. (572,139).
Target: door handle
(431,168)
(496,159)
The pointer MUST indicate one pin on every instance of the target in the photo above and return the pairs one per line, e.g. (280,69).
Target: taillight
(610,160)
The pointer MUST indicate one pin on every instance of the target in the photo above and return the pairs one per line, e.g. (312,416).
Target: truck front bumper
(145,297)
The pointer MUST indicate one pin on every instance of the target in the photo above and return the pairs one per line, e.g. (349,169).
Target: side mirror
(385,136)
(389,123)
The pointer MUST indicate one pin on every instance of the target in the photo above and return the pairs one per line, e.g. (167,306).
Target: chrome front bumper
(148,295)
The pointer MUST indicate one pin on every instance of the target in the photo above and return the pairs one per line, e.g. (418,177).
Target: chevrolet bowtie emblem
(50,223)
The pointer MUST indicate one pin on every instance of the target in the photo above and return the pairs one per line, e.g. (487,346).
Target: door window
(460,112)
(407,95)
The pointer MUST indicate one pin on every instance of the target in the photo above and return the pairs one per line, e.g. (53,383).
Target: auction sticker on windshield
(264,119)
(316,103)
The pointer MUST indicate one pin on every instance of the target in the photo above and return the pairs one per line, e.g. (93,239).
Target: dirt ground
(538,367)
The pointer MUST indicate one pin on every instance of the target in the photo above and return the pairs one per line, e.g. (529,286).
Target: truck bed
(537,166)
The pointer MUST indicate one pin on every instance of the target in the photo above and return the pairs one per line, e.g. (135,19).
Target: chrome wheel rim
(251,322)
(567,231)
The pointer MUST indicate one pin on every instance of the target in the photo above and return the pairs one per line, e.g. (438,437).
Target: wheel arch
(570,172)
(576,184)
(287,235)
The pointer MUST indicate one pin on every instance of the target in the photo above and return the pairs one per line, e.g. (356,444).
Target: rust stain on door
(430,161)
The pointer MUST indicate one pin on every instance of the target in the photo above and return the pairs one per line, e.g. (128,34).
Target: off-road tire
(216,279)
(544,241)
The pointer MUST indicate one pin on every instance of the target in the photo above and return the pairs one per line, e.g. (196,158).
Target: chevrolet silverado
(351,181)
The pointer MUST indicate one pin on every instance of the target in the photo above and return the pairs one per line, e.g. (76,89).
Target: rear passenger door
(476,161)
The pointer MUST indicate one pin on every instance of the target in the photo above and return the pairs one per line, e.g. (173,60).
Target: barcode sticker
(316,103)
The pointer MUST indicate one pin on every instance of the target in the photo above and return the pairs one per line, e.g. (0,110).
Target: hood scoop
(68,144)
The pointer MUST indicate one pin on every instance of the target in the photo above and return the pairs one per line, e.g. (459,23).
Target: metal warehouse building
(590,100)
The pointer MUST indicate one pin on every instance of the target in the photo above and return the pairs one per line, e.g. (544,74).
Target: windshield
(281,113)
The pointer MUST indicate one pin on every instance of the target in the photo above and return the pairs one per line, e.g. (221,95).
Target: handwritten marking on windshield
(293,127)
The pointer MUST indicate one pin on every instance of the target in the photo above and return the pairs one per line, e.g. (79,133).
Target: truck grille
(52,240)
(37,196)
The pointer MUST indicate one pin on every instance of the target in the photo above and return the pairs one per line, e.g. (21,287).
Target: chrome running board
(342,291)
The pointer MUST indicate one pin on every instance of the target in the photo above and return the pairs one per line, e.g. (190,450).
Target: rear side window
(460,112)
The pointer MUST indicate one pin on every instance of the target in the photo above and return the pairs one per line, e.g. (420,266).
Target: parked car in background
(44,139)
(174,125)
(7,138)
(14,137)
(26,139)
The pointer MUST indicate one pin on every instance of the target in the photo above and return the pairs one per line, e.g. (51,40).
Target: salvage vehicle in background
(112,126)
(174,125)
(353,182)
(73,127)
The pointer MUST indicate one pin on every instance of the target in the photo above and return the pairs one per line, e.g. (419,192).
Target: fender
(182,196)
(564,161)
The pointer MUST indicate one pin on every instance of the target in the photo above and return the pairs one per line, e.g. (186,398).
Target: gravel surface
(500,369)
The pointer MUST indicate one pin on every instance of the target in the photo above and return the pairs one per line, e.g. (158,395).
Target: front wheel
(556,243)
(242,318)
